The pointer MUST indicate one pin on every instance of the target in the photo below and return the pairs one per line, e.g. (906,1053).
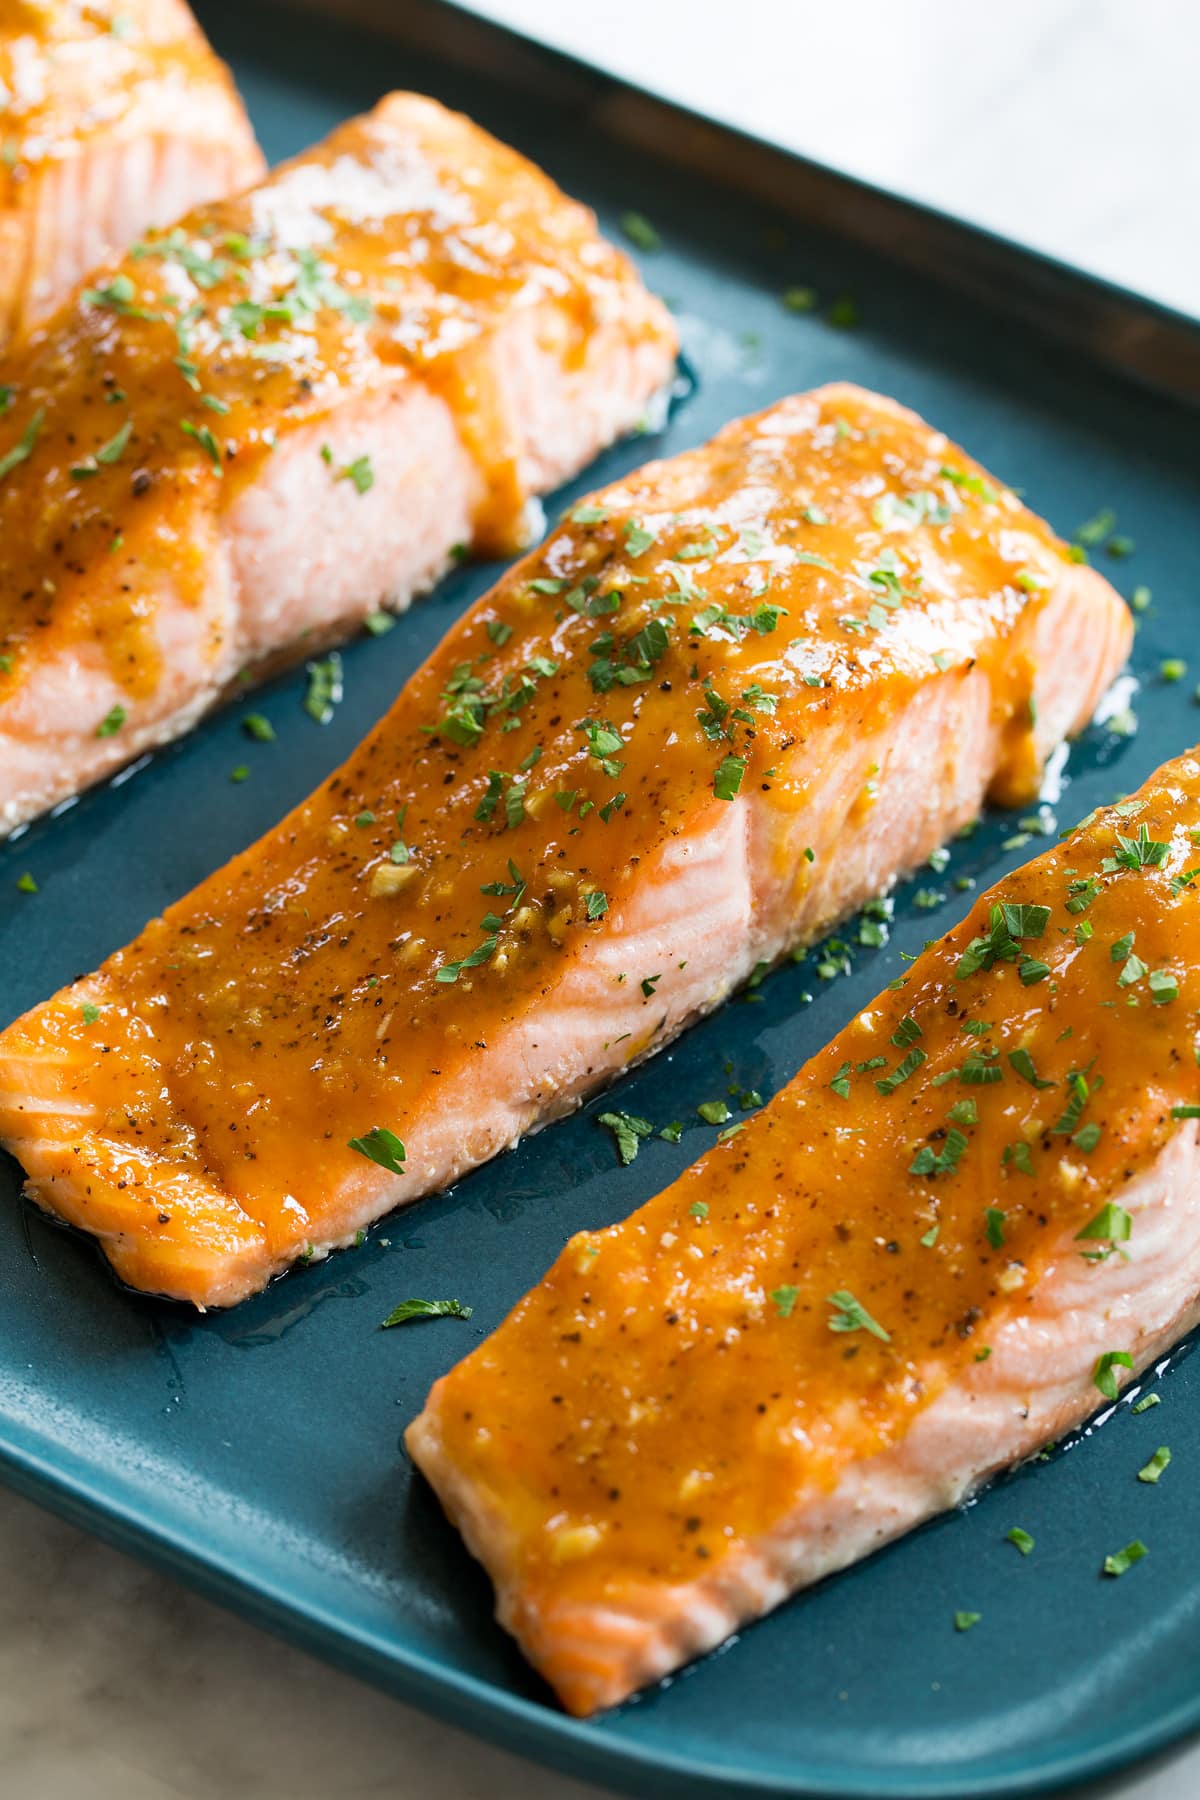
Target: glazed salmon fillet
(291,409)
(114,115)
(726,701)
(964,1226)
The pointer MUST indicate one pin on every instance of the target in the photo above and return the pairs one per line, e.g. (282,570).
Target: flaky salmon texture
(961,1229)
(727,700)
(114,115)
(291,409)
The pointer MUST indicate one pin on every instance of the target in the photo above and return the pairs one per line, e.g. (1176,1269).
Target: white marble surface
(1069,123)
(1066,124)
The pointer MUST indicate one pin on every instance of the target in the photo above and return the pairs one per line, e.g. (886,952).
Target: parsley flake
(383,1147)
(628,1130)
(426,1309)
(1154,1468)
(1102,1374)
(850,1314)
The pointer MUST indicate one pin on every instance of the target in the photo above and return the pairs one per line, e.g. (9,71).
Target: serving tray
(257,1454)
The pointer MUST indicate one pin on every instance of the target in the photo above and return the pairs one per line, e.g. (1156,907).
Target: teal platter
(258,1454)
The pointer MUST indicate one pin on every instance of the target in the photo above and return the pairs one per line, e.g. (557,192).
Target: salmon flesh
(114,116)
(963,1227)
(289,410)
(726,701)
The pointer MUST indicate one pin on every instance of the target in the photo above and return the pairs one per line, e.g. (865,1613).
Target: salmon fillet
(726,701)
(114,115)
(289,410)
(964,1223)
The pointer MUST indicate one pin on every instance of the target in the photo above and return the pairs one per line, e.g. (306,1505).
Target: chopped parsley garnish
(379,623)
(449,972)
(887,1084)
(324,688)
(26,884)
(207,442)
(728,776)
(716,621)
(969,484)
(1021,1539)
(1080,1094)
(1103,1375)
(426,1309)
(633,661)
(118,296)
(907,1032)
(1112,1225)
(112,722)
(1093,531)
(22,450)
(596,904)
(1154,1468)
(110,452)
(383,1147)
(1021,1061)
(360,473)
(1146,1402)
(964,1621)
(1008,926)
(1018,1156)
(1163,987)
(1140,852)
(1123,1560)
(699,1210)
(994,1219)
(850,1314)
(713,1112)
(90,1012)
(640,232)
(927,1161)
(1081,893)
(603,741)
(628,1130)
(785,1299)
(259,727)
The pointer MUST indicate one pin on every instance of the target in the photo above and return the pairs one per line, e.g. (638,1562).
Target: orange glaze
(186,361)
(304,994)
(676,1386)
(70,69)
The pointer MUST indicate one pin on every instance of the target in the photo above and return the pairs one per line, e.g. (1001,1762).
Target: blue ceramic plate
(258,1453)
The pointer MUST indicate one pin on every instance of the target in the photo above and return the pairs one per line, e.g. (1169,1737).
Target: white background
(1068,123)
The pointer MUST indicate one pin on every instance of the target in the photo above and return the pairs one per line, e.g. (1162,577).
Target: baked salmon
(964,1226)
(291,409)
(727,700)
(114,115)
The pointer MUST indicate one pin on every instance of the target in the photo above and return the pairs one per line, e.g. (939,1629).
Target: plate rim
(574,1747)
